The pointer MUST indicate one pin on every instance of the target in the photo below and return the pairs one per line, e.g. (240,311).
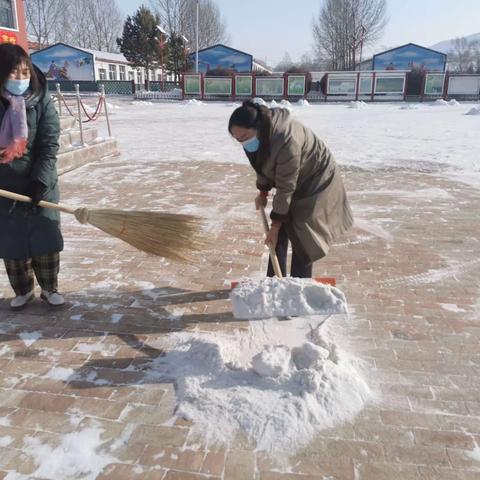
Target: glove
(37,192)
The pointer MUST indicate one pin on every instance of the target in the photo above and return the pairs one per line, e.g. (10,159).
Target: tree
(92,24)
(177,57)
(285,63)
(42,18)
(343,27)
(212,28)
(140,43)
(463,56)
(180,17)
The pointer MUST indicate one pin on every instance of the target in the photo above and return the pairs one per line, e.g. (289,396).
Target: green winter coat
(24,234)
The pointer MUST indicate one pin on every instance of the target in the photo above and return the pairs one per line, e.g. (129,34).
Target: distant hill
(447,45)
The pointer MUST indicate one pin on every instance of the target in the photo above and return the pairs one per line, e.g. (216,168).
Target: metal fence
(112,87)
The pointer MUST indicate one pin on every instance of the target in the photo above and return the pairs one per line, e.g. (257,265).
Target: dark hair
(10,57)
(252,115)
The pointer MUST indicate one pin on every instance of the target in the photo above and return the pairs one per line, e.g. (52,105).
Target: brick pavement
(409,269)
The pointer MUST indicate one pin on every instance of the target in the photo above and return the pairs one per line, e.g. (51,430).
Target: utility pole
(196,55)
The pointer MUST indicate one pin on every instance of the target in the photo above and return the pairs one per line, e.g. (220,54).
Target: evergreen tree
(140,41)
(177,56)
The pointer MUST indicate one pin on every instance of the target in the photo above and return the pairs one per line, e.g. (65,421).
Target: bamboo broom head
(168,235)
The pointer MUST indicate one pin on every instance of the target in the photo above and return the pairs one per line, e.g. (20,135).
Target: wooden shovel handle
(273,253)
(23,198)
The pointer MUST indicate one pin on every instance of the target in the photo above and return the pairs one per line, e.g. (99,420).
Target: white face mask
(17,87)
(251,145)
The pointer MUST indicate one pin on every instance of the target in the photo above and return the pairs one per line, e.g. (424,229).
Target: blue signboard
(410,57)
(222,57)
(62,62)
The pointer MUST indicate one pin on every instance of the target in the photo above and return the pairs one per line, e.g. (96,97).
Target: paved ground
(410,271)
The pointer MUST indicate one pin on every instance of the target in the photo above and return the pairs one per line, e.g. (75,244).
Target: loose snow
(281,382)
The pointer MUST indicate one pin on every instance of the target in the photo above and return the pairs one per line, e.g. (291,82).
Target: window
(112,72)
(7,14)
(123,75)
(139,77)
(152,75)
(102,73)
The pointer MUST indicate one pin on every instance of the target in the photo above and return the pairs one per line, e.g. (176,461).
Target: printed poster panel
(296,85)
(270,87)
(389,84)
(365,85)
(434,84)
(62,62)
(341,86)
(218,86)
(244,85)
(191,85)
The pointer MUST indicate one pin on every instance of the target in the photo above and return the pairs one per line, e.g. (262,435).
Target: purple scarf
(14,129)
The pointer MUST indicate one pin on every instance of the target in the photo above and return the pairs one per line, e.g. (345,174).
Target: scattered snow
(280,297)
(452,307)
(29,337)
(5,441)
(60,373)
(79,455)
(116,317)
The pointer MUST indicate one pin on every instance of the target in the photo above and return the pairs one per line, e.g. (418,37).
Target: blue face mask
(251,145)
(17,87)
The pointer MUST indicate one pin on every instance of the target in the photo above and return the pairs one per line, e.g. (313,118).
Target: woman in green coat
(30,237)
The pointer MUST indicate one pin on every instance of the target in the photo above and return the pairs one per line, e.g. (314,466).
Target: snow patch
(60,373)
(79,455)
(29,337)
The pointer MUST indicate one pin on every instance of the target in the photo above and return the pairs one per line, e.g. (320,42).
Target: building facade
(12,23)
(410,57)
(65,62)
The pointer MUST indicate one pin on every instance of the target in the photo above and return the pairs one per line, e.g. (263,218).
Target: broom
(168,235)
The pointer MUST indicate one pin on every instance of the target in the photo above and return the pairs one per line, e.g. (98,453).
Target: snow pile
(259,101)
(474,111)
(273,104)
(280,297)
(409,106)
(442,102)
(278,386)
(357,104)
(285,103)
(194,101)
(303,102)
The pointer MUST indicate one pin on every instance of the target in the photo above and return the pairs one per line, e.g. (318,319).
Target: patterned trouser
(46,268)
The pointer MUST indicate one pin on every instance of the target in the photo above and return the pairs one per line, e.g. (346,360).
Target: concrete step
(71,137)
(67,122)
(76,157)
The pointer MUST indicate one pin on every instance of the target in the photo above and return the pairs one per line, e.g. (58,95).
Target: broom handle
(273,253)
(23,198)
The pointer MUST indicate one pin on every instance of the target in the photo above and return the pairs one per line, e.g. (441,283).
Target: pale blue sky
(269,28)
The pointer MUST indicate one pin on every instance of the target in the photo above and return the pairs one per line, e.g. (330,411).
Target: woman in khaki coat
(310,206)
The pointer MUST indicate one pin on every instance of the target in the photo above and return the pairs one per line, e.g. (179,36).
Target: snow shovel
(285,296)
